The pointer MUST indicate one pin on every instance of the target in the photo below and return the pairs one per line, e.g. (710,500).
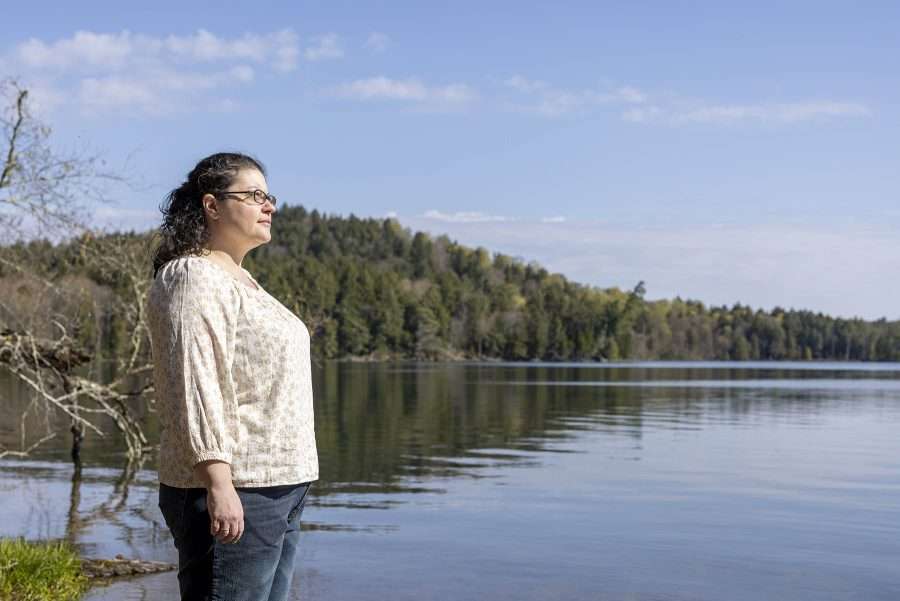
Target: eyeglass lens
(261,197)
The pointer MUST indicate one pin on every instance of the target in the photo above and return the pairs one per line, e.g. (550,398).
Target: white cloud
(384,88)
(454,93)
(522,84)
(377,42)
(781,113)
(637,106)
(326,47)
(676,113)
(550,101)
(286,50)
(159,92)
(44,97)
(474,217)
(206,47)
(116,91)
(463,217)
(148,74)
(84,48)
(87,50)
(641,114)
(630,94)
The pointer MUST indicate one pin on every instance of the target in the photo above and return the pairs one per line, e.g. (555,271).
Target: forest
(371,289)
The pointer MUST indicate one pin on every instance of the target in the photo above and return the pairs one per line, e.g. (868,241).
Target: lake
(668,481)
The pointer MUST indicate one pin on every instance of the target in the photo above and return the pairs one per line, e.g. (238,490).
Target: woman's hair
(183,230)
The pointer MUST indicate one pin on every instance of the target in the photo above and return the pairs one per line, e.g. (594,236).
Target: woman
(234,390)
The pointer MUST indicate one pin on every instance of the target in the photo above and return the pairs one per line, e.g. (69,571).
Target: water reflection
(385,429)
(410,456)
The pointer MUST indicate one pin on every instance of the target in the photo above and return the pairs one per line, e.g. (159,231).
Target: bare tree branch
(4,452)
(40,188)
(41,343)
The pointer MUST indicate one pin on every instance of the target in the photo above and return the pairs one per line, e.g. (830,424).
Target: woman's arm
(194,318)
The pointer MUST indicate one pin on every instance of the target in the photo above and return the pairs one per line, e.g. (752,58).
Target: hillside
(369,288)
(373,288)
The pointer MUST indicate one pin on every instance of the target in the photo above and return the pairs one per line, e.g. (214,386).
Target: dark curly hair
(183,230)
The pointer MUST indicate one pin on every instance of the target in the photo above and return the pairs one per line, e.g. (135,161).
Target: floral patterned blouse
(233,378)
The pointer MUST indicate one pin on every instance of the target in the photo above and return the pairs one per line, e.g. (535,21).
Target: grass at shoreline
(44,571)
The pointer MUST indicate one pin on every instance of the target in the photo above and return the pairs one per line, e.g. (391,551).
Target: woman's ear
(210,206)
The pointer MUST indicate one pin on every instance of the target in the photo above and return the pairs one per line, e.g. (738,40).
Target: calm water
(647,481)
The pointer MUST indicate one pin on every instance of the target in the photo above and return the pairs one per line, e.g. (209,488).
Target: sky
(720,151)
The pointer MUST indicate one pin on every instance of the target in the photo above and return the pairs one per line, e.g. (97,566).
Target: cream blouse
(233,378)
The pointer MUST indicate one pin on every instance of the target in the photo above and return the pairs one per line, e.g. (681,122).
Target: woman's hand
(226,513)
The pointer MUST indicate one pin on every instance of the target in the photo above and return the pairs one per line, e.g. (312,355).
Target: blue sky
(724,151)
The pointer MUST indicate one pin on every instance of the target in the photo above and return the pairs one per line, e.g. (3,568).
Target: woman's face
(237,217)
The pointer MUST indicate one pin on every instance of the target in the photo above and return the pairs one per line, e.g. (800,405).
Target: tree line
(370,288)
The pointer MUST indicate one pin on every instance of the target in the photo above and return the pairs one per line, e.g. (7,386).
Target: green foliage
(369,287)
(39,572)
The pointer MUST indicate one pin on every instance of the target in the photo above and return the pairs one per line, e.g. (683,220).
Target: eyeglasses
(258,196)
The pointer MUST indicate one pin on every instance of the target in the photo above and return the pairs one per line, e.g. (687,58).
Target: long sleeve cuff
(212,456)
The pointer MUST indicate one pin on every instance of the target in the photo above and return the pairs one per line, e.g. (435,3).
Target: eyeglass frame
(253,194)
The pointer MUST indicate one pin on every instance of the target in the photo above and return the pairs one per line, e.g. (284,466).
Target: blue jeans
(259,567)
